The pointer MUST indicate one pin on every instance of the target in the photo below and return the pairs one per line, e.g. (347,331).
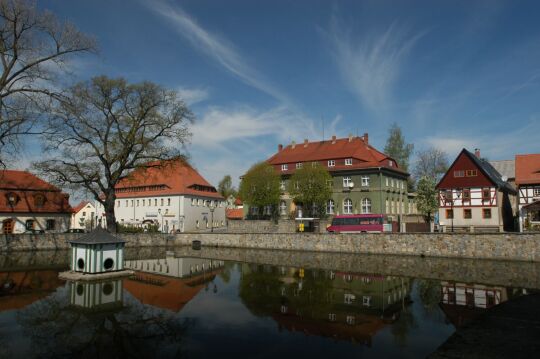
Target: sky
(452,74)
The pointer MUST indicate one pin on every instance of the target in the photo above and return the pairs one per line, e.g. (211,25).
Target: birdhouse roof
(98,236)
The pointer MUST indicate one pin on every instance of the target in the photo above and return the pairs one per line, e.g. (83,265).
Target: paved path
(510,330)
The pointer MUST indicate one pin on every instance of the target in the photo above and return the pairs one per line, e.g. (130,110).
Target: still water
(182,306)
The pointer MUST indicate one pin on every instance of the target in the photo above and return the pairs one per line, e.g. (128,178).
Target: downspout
(380,191)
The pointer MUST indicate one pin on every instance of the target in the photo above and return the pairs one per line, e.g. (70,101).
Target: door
(7,226)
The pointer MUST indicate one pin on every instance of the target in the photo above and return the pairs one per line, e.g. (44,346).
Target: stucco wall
(508,246)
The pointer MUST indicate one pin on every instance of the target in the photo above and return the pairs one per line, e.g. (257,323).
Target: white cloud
(192,96)
(371,64)
(214,46)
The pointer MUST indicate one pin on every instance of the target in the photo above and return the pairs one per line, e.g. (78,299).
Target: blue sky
(452,74)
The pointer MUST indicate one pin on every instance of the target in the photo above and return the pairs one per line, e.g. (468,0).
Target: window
(29,224)
(392,182)
(365,181)
(459,173)
(155,202)
(486,213)
(126,202)
(366,300)
(330,205)
(283,208)
(282,185)
(349,298)
(39,200)
(347,206)
(348,162)
(466,195)
(486,195)
(332,317)
(84,214)
(449,213)
(386,181)
(350,319)
(330,184)
(471,173)
(143,202)
(299,165)
(467,213)
(536,191)
(199,202)
(161,201)
(331,163)
(347,181)
(366,205)
(168,201)
(50,224)
(448,196)
(132,203)
(137,203)
(284,167)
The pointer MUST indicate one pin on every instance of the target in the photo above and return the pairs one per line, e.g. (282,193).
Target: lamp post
(211,207)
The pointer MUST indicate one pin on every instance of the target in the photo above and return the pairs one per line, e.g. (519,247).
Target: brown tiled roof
(528,169)
(27,187)
(238,202)
(234,213)
(175,177)
(80,206)
(362,153)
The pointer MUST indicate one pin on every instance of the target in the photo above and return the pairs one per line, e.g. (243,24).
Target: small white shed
(97,252)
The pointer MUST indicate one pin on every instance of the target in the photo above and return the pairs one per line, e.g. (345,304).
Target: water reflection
(344,306)
(174,306)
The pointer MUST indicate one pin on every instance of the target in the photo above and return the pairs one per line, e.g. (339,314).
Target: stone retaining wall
(508,246)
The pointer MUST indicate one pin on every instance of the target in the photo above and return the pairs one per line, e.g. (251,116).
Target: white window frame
(366,300)
(347,206)
(283,208)
(387,181)
(366,205)
(299,165)
(348,161)
(365,181)
(282,185)
(331,163)
(346,181)
(536,191)
(330,206)
(284,167)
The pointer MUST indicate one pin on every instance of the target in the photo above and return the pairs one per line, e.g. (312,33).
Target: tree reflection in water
(58,329)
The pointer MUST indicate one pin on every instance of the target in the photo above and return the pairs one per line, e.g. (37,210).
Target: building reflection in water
(171,282)
(340,305)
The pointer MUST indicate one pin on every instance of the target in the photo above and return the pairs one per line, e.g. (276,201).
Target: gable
(464,163)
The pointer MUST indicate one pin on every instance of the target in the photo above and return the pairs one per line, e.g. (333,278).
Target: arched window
(347,206)
(283,208)
(366,205)
(330,206)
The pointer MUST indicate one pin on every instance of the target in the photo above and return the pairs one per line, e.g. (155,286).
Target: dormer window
(391,163)
(284,167)
(348,162)
(299,165)
(331,163)
(39,200)
(12,199)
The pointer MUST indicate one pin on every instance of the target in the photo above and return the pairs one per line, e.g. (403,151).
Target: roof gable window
(284,167)
(331,163)
(348,162)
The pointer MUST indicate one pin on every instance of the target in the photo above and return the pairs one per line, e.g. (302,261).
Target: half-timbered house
(473,196)
(528,183)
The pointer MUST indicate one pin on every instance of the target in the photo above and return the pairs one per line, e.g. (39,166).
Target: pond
(247,303)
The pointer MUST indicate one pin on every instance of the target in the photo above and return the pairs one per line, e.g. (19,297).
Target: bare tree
(105,128)
(34,48)
(432,163)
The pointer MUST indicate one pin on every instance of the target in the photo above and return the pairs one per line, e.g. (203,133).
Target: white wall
(62,221)
(81,219)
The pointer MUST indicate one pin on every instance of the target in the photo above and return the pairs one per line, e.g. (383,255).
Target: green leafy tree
(426,201)
(397,148)
(260,188)
(225,187)
(309,186)
(106,128)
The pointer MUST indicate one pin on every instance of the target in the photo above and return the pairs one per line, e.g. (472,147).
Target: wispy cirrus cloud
(370,64)
(214,46)
(192,96)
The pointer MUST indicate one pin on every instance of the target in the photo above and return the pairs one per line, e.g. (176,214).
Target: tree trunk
(109,212)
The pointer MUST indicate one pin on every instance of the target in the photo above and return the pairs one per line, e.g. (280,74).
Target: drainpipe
(380,191)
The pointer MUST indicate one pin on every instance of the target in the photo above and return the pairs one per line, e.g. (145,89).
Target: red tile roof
(528,169)
(238,202)
(80,206)
(175,177)
(362,153)
(27,189)
(234,213)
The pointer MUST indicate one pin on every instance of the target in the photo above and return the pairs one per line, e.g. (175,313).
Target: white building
(29,204)
(84,216)
(171,195)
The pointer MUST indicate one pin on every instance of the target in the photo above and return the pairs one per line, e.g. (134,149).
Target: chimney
(333,139)
(293,144)
(279,147)
(366,138)
(477,152)
(350,137)
(305,142)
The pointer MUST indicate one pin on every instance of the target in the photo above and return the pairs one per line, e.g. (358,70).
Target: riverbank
(500,246)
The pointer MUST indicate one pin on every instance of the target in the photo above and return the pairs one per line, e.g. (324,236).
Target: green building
(364,180)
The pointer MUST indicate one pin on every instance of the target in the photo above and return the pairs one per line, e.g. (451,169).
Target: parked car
(75,230)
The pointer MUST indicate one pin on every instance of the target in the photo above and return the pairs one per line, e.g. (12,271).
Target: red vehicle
(360,223)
